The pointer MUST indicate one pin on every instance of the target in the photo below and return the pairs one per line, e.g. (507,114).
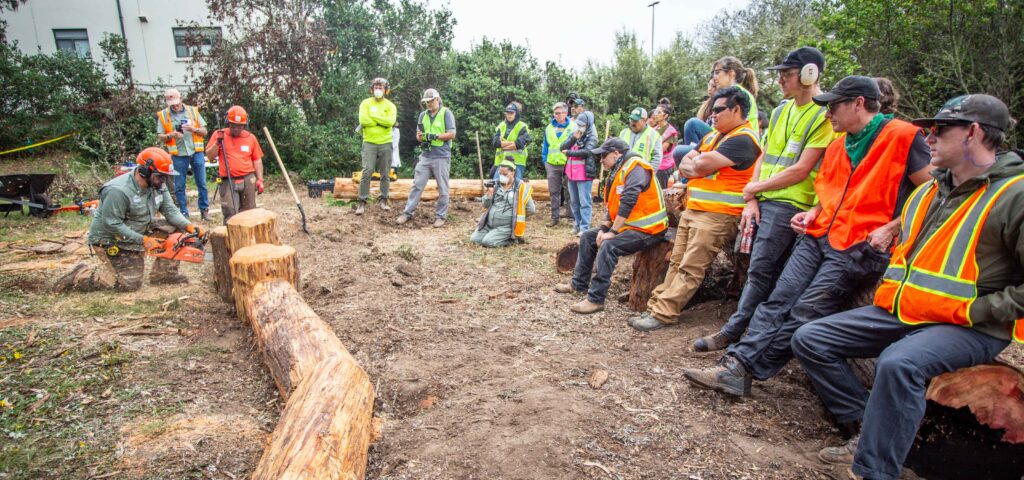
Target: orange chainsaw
(183,247)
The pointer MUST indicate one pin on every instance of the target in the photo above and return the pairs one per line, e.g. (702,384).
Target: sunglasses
(832,105)
(720,109)
(938,129)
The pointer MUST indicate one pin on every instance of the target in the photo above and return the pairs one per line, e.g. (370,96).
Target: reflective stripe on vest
(525,192)
(555,155)
(171,143)
(722,191)
(519,156)
(648,215)
(643,143)
(435,126)
(940,284)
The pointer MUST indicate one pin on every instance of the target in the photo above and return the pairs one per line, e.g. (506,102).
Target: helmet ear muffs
(146,169)
(809,74)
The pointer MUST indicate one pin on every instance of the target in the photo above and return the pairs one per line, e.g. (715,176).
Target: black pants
(627,242)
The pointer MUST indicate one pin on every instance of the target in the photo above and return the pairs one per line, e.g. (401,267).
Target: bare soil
(480,369)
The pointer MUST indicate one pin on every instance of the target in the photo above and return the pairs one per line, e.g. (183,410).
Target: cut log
(221,263)
(251,227)
(649,268)
(565,259)
(994,393)
(346,189)
(259,263)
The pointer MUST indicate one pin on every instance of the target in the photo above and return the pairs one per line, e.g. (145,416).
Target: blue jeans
(908,356)
(772,245)
(816,282)
(181,164)
(580,202)
(694,130)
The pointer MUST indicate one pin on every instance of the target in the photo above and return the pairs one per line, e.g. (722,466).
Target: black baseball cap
(984,109)
(800,57)
(612,144)
(850,87)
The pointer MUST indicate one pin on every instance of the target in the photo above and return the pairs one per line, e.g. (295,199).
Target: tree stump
(565,259)
(649,269)
(259,263)
(251,227)
(221,263)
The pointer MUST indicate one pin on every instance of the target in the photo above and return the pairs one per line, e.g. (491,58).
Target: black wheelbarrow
(27,190)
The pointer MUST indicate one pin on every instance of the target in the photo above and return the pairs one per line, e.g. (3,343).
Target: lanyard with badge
(793,145)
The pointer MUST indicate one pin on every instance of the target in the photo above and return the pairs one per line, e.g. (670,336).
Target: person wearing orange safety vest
(182,128)
(865,177)
(508,204)
(635,221)
(952,296)
(718,170)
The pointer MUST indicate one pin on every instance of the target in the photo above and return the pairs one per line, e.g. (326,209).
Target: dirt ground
(480,369)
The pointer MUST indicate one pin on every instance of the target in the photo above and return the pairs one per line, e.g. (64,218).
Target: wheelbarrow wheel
(44,200)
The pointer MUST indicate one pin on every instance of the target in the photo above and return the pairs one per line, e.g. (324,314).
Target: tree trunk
(346,189)
(649,268)
(221,263)
(259,263)
(251,227)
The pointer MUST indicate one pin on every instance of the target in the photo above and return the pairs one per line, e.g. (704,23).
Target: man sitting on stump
(120,231)
(508,204)
(636,220)
(951,297)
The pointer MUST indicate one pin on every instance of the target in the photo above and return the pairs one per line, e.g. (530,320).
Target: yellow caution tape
(34,145)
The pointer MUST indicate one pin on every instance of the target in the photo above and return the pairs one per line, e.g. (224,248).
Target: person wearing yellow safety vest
(376,117)
(555,134)
(182,129)
(435,130)
(782,186)
(635,221)
(510,140)
(951,297)
(641,138)
(718,170)
(508,203)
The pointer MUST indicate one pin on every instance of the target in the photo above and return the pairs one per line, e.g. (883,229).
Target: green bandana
(857,144)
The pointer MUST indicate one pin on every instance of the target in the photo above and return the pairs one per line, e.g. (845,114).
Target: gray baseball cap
(430,94)
(984,109)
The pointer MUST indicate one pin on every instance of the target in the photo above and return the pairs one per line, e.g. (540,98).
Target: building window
(190,41)
(74,40)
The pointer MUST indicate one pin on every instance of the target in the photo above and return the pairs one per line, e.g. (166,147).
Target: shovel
(287,179)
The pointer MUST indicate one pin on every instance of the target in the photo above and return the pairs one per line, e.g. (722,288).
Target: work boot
(204,215)
(729,376)
(712,343)
(173,279)
(645,322)
(841,455)
(586,307)
(575,230)
(360,208)
(384,205)
(565,288)
(438,223)
(402,219)
(552,223)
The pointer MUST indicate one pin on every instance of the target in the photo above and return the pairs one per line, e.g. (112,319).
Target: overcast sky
(542,24)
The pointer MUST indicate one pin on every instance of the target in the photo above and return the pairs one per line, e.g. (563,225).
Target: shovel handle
(287,178)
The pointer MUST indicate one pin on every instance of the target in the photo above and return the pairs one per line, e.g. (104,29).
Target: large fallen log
(346,189)
(257,263)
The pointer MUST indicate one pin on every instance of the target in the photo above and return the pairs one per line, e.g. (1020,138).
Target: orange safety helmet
(237,114)
(154,159)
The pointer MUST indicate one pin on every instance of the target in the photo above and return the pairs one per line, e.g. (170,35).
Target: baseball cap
(984,109)
(850,87)
(612,144)
(508,163)
(800,57)
(511,108)
(637,114)
(430,94)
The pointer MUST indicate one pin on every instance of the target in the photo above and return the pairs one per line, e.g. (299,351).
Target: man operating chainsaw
(123,231)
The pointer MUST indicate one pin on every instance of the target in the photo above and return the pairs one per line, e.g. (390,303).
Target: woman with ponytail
(669,138)
(726,72)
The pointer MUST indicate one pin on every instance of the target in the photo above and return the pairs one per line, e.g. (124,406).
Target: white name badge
(245,148)
(792,147)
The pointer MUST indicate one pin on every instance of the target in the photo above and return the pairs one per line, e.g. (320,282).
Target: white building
(155,31)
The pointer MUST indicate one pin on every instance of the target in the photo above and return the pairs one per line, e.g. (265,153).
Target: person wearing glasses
(864,180)
(435,130)
(182,129)
(726,72)
(782,186)
(950,298)
(718,170)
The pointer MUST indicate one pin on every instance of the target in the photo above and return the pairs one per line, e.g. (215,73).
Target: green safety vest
(555,155)
(646,142)
(752,115)
(782,148)
(436,126)
(518,155)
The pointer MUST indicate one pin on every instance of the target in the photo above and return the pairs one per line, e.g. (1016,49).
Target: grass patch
(407,253)
(53,402)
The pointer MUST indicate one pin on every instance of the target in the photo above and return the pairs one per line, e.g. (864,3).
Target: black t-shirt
(919,157)
(741,149)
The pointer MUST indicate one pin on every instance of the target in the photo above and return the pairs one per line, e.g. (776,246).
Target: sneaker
(439,223)
(645,322)
(204,215)
(384,205)
(729,376)
(711,343)
(361,208)
(585,307)
(552,223)
(402,219)
(564,288)
(841,455)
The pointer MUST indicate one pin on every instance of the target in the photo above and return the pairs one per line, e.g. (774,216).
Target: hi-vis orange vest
(938,283)
(648,215)
(522,198)
(854,202)
(722,191)
(193,119)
